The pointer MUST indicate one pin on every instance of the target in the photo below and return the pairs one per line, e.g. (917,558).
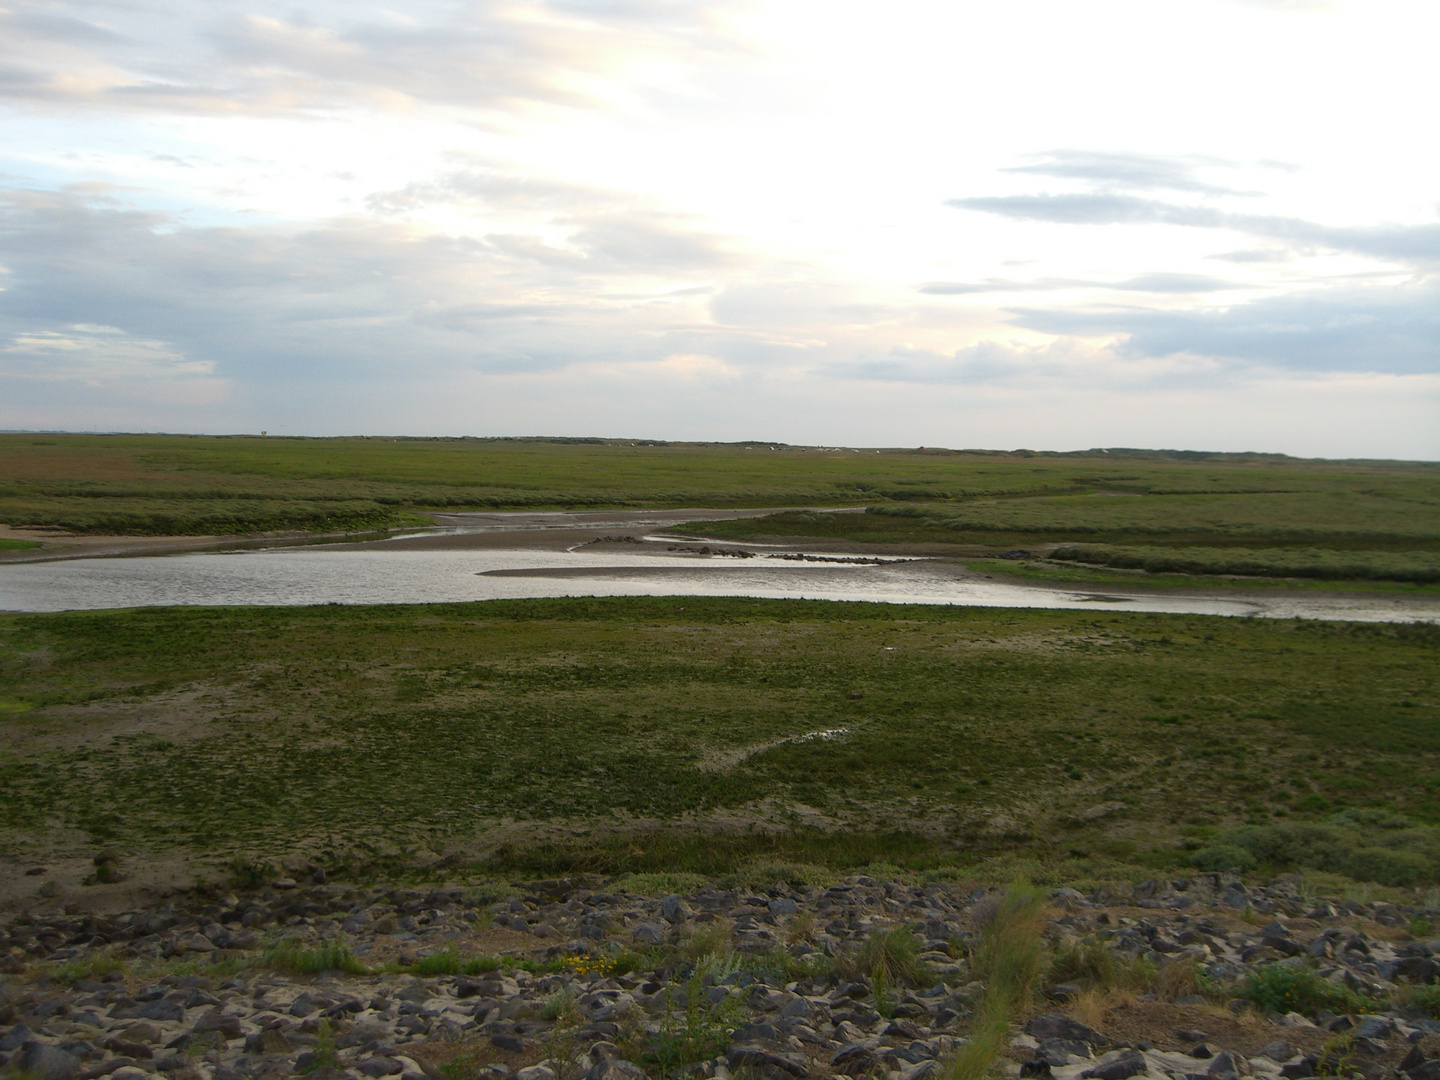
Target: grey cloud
(1091,209)
(1172,283)
(1376,329)
(992,285)
(259,56)
(349,302)
(1156,282)
(1254,255)
(1403,243)
(1137,172)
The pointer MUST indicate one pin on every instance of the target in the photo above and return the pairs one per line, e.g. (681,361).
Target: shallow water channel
(469,559)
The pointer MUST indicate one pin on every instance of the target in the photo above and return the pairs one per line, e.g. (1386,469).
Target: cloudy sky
(1207,224)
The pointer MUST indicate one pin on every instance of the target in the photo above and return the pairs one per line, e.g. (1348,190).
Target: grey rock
(1128,1064)
(1279,1051)
(164,1011)
(1227,1063)
(607,1069)
(1059,1026)
(766,1062)
(45,1062)
(268,1042)
(783,906)
(15,1038)
(649,934)
(1375,1027)
(674,910)
(799,1009)
(380,1066)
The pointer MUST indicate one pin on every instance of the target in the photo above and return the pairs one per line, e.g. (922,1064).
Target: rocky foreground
(563,982)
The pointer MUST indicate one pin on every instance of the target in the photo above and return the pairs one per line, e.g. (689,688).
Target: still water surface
(384,573)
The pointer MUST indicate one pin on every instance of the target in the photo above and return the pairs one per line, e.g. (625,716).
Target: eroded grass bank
(704,735)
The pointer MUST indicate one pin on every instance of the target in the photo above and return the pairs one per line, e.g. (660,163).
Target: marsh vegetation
(707,735)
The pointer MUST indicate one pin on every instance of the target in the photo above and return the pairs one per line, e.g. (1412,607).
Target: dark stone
(755,1033)
(1375,1027)
(766,1062)
(1429,1070)
(903,1029)
(269,1041)
(1413,1059)
(853,1054)
(380,1066)
(1122,1068)
(1279,1051)
(136,1050)
(1057,1051)
(615,1069)
(1227,1063)
(15,1038)
(1058,1026)
(45,1062)
(220,1022)
(510,1043)
(1299,1070)
(163,1010)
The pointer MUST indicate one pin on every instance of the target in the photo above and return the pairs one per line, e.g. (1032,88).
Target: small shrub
(444,962)
(324,1051)
(95,966)
(331,956)
(691,1029)
(1425,999)
(480,965)
(465,1065)
(893,955)
(801,928)
(250,873)
(1285,988)
(1401,869)
(1179,978)
(560,1006)
(706,942)
(1222,857)
(1011,960)
(1094,965)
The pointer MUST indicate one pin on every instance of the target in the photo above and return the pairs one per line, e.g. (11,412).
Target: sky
(1198,224)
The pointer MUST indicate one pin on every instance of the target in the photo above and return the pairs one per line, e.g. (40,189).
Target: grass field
(188,485)
(688,734)
(1348,525)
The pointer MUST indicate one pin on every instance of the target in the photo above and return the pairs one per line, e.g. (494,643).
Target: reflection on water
(383,574)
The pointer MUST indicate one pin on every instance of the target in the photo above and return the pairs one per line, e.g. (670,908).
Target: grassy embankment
(184,484)
(708,735)
(1339,526)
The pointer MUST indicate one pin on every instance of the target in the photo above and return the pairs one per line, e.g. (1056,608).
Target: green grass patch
(201,484)
(1425,999)
(1284,562)
(444,962)
(1010,961)
(1290,987)
(297,960)
(10,543)
(254,737)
